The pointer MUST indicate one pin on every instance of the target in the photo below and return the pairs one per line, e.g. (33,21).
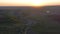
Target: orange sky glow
(29,2)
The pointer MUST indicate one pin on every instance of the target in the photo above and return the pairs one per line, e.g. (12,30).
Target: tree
(41,25)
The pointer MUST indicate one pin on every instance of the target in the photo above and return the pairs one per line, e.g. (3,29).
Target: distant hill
(52,9)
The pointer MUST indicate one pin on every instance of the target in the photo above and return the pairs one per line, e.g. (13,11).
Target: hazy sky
(28,2)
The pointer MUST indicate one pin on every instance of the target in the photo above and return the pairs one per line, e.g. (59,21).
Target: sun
(37,2)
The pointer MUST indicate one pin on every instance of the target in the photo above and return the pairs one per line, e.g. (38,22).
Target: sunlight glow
(28,2)
(37,2)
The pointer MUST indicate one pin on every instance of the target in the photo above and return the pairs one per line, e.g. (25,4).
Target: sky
(29,2)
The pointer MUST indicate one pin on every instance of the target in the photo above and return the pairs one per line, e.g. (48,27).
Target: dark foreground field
(30,20)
